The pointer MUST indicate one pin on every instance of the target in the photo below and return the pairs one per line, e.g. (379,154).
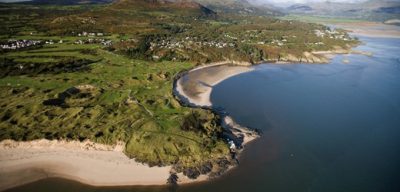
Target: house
(18,44)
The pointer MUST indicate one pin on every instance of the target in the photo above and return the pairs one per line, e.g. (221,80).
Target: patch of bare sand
(371,29)
(86,162)
(197,84)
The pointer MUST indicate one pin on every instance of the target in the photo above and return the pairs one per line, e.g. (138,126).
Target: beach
(196,85)
(86,162)
(371,29)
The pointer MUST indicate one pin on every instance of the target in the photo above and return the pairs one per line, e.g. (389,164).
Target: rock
(223,163)
(316,59)
(339,50)
(308,57)
(313,58)
(206,168)
(292,58)
(173,179)
(191,173)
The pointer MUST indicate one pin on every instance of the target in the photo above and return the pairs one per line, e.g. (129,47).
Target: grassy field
(131,101)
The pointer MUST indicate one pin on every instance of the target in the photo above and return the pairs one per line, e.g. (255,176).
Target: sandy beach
(86,162)
(371,29)
(196,85)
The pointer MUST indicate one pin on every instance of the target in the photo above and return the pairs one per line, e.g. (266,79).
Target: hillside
(131,16)
(66,2)
(374,10)
(162,5)
(242,7)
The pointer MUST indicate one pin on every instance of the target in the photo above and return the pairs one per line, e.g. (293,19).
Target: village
(259,37)
(332,34)
(189,42)
(104,42)
(14,44)
(19,44)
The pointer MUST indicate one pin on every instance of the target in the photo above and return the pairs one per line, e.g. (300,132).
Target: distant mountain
(190,5)
(66,2)
(243,7)
(388,10)
(378,10)
(300,8)
(186,5)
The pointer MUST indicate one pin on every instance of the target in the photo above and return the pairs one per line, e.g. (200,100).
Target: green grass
(151,128)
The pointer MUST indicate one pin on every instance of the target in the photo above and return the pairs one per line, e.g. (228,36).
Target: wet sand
(371,29)
(196,85)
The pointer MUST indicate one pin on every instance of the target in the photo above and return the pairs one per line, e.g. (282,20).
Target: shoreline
(86,162)
(202,84)
(197,92)
(371,29)
(199,96)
